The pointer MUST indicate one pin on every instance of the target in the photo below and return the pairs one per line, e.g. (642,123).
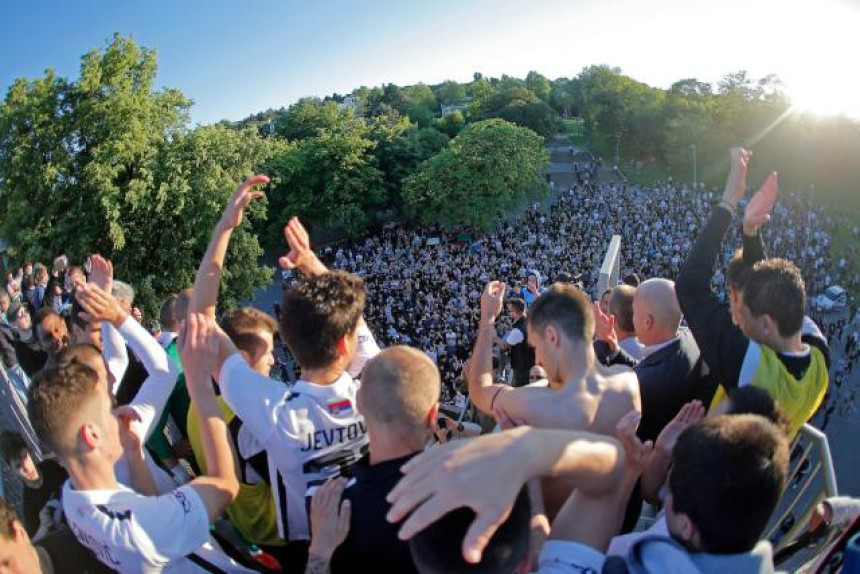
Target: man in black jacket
(672,372)
(516,343)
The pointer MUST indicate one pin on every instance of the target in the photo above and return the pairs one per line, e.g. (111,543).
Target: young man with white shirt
(312,431)
(70,406)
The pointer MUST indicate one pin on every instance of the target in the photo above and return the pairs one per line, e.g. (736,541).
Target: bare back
(595,404)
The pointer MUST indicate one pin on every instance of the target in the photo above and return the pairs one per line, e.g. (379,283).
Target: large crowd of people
(175,449)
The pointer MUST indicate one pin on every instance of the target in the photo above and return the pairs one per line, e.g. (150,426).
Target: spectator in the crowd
(28,349)
(56,552)
(604,300)
(516,343)
(561,329)
(537,377)
(313,430)
(5,301)
(632,280)
(398,397)
(766,348)
(253,511)
(70,407)
(621,308)
(52,332)
(672,371)
(42,485)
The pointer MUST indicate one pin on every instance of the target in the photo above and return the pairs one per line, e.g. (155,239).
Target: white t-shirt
(310,432)
(514,337)
(133,533)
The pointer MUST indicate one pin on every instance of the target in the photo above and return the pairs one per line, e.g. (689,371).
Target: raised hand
(329,518)
(129,433)
(101,273)
(758,210)
(736,184)
(455,475)
(604,327)
(244,194)
(199,348)
(690,414)
(491,300)
(300,256)
(638,453)
(99,305)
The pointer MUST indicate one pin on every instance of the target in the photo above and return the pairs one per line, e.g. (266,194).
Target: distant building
(455,107)
(350,102)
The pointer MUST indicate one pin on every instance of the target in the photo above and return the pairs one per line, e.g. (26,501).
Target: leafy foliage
(491,168)
(106,164)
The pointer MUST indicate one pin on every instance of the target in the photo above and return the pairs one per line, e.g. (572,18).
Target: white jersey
(310,432)
(132,533)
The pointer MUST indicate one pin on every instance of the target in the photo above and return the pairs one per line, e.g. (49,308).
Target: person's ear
(432,416)
(551,335)
(90,435)
(342,346)
(685,529)
(649,322)
(767,324)
(20,534)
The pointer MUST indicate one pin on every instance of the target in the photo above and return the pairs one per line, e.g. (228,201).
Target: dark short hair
(243,326)
(517,305)
(44,313)
(317,313)
(8,518)
(438,548)
(736,271)
(727,475)
(56,394)
(751,400)
(567,308)
(621,305)
(631,279)
(774,287)
(13,446)
(167,313)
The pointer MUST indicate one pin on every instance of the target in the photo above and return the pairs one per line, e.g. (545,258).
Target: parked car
(833,298)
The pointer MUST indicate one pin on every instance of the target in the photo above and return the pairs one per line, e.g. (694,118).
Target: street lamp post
(695,175)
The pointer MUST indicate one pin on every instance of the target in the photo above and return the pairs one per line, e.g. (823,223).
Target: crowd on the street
(174,449)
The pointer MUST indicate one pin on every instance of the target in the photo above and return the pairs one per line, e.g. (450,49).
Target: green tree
(308,116)
(106,164)
(331,180)
(452,123)
(450,92)
(490,169)
(400,156)
(539,84)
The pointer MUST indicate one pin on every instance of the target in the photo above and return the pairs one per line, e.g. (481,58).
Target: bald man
(672,371)
(399,398)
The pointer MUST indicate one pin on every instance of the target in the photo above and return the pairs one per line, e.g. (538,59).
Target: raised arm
(722,344)
(199,349)
(479,374)
(113,345)
(208,280)
(455,475)
(155,390)
(756,214)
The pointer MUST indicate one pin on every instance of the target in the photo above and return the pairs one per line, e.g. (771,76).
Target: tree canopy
(490,169)
(107,164)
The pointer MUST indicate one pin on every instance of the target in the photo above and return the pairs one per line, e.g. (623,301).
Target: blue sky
(235,58)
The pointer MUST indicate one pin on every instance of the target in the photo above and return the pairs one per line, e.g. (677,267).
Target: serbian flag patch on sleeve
(340,407)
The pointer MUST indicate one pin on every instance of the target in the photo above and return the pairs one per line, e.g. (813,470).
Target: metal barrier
(811,480)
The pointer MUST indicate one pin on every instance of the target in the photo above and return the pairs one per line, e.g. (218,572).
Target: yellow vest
(798,399)
(253,511)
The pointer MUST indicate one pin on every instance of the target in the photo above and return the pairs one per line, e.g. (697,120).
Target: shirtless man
(561,329)
(579,397)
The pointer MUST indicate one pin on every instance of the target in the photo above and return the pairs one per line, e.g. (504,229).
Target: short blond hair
(399,388)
